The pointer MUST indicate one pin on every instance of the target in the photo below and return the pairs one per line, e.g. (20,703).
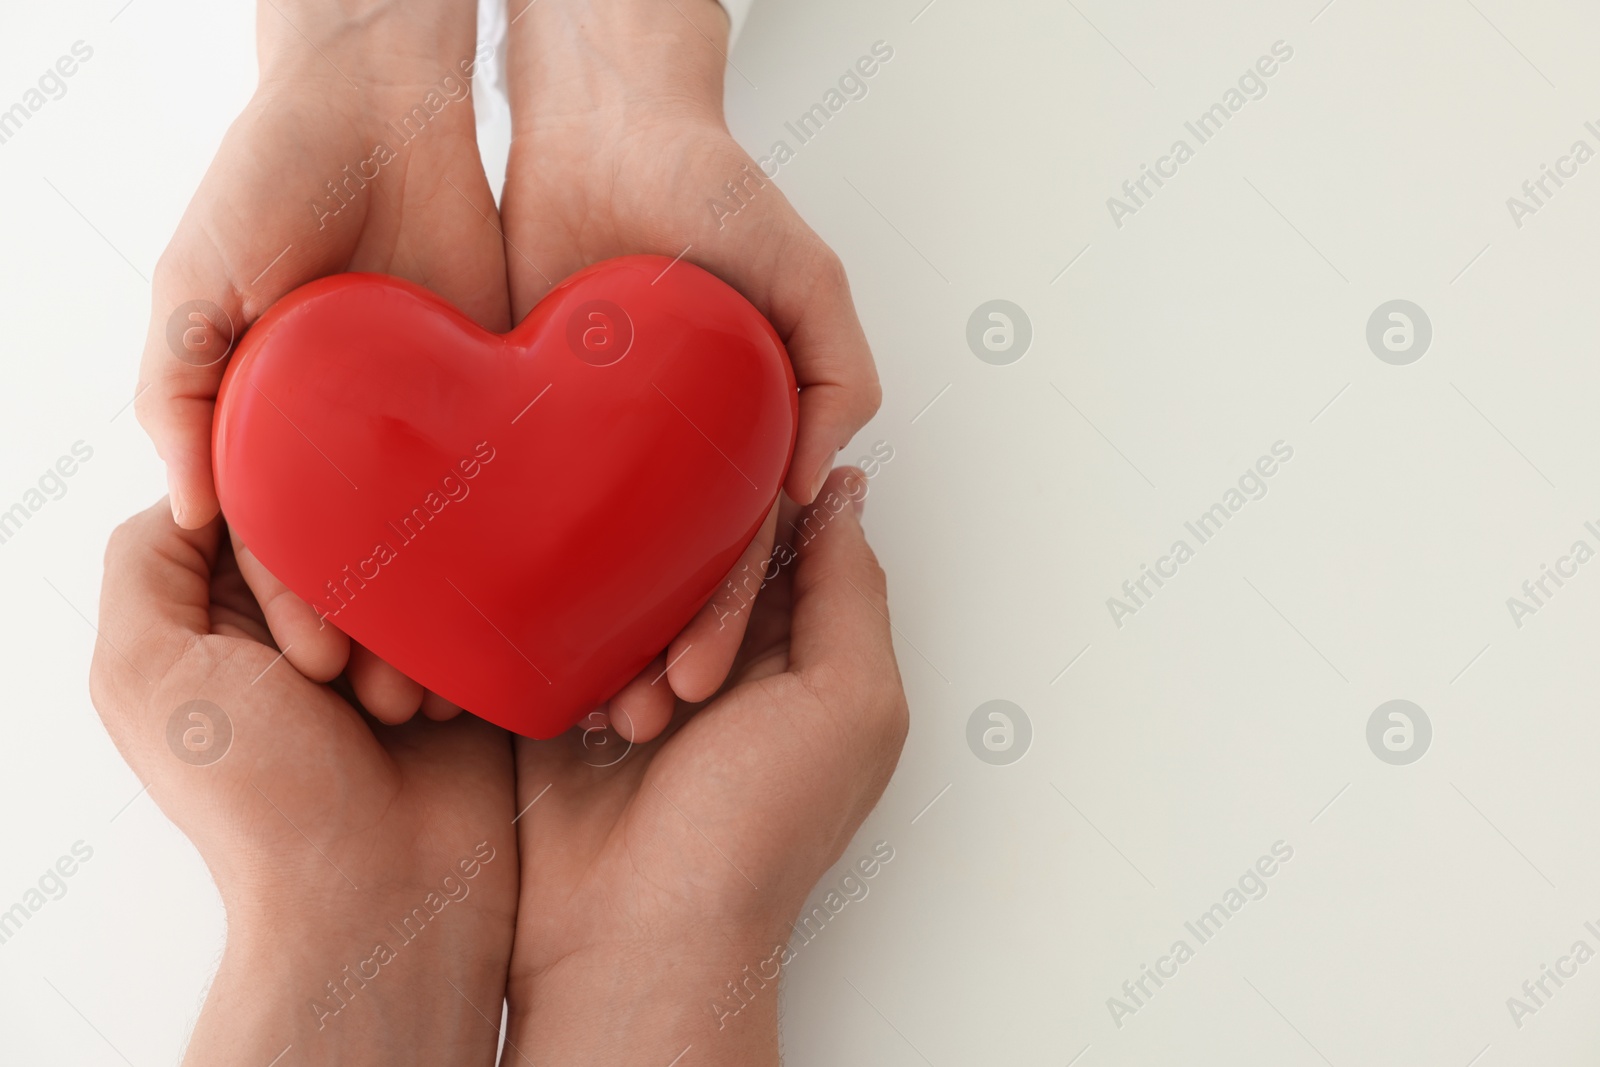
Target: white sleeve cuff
(737,11)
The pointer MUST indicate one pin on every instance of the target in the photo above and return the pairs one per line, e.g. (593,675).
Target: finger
(701,655)
(644,706)
(438,708)
(235,611)
(199,308)
(154,600)
(387,694)
(175,400)
(242,245)
(840,634)
(839,388)
(315,647)
(806,295)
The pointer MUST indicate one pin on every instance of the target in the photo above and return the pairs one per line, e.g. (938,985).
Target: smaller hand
(619,146)
(335,842)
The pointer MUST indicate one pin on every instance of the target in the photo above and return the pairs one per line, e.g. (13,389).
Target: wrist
(646,1005)
(351,994)
(574,58)
(377,47)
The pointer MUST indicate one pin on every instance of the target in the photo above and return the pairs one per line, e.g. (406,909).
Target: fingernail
(821,478)
(175,501)
(858,504)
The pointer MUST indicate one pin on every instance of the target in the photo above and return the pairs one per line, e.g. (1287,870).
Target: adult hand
(619,146)
(369,872)
(357,152)
(650,884)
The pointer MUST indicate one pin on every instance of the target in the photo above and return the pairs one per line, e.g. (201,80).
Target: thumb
(199,308)
(195,317)
(240,246)
(841,640)
(154,600)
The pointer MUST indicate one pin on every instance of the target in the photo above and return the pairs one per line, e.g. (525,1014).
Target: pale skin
(619,146)
(649,886)
(319,826)
(614,909)
(607,920)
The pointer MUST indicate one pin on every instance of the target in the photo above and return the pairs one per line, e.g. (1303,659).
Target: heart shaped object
(522,522)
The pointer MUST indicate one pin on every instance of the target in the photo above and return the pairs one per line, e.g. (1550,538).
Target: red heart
(519,523)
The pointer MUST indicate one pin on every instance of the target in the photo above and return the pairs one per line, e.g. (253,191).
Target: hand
(619,147)
(650,884)
(333,844)
(317,176)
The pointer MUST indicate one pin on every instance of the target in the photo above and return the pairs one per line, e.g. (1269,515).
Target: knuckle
(102,682)
(868,395)
(125,533)
(107,670)
(829,269)
(852,364)
(146,406)
(168,283)
(871,577)
(166,269)
(886,714)
(895,719)
(879,718)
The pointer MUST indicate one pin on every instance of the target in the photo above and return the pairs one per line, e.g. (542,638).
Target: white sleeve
(489,100)
(737,11)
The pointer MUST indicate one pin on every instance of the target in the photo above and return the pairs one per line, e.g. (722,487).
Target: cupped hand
(338,845)
(652,875)
(357,152)
(619,146)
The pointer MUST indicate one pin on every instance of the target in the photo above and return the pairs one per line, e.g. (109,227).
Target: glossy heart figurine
(519,522)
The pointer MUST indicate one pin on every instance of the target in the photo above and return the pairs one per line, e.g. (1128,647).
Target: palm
(312,818)
(577,193)
(704,820)
(426,216)
(611,848)
(354,808)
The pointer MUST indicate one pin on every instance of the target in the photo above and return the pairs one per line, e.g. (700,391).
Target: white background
(1225,716)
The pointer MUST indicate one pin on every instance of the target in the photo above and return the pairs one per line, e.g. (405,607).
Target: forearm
(370,44)
(571,57)
(648,1007)
(353,996)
